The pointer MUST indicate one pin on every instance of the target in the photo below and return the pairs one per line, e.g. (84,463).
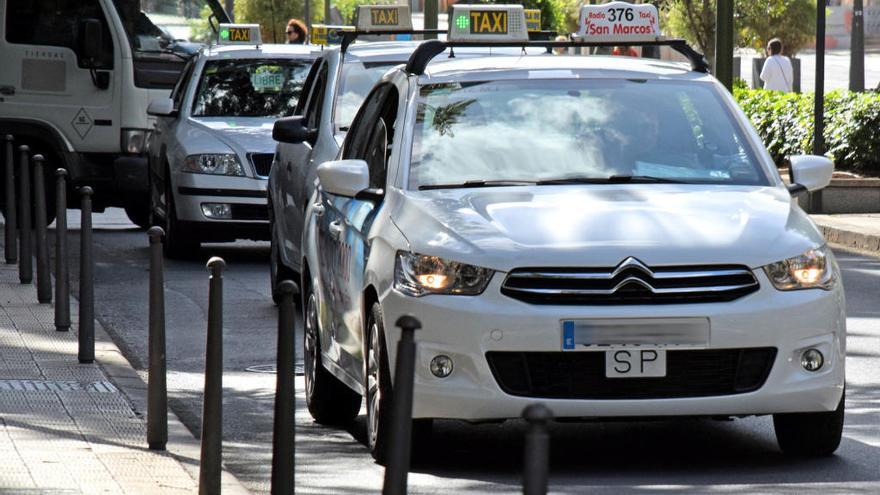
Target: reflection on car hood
(599,225)
(245,135)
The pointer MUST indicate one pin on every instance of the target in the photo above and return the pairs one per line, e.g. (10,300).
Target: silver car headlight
(214,163)
(811,270)
(417,275)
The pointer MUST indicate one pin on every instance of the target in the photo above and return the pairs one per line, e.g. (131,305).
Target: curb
(850,239)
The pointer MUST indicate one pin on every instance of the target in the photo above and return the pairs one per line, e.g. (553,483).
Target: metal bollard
(44,279)
(537,449)
(62,276)
(397,468)
(212,405)
(283,434)
(11,246)
(86,281)
(25,261)
(157,391)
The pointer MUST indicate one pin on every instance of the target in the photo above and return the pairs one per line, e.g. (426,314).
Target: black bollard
(86,281)
(62,276)
(397,468)
(44,279)
(283,434)
(537,449)
(157,391)
(212,405)
(25,261)
(11,246)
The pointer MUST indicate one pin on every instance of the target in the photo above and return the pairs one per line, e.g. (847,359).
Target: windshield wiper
(614,179)
(478,183)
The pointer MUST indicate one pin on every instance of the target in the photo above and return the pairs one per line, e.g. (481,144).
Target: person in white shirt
(777,72)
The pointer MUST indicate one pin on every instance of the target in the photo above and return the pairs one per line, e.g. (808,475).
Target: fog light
(441,366)
(217,210)
(812,360)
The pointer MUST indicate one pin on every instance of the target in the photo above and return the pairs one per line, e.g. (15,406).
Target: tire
(277,270)
(377,380)
(330,402)
(810,434)
(179,244)
(139,213)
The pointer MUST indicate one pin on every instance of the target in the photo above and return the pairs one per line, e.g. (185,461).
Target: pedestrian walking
(777,72)
(297,32)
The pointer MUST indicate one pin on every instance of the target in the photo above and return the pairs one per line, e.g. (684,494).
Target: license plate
(635,362)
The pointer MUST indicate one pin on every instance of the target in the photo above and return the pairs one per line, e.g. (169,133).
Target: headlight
(417,275)
(134,140)
(811,270)
(216,164)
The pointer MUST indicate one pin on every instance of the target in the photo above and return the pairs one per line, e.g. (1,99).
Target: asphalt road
(694,456)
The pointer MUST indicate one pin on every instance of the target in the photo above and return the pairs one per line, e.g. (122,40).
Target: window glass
(249,88)
(182,83)
(358,78)
(159,25)
(537,130)
(56,23)
(308,88)
(316,99)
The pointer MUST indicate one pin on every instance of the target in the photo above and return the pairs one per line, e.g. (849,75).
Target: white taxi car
(211,149)
(606,235)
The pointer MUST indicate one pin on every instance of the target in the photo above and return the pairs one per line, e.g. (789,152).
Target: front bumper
(466,328)
(246,196)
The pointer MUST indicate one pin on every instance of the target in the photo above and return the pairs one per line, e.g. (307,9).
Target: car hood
(244,135)
(599,225)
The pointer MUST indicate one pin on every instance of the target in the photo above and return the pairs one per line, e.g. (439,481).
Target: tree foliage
(272,15)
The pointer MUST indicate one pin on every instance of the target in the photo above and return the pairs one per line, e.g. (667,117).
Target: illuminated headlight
(813,269)
(134,140)
(417,275)
(216,164)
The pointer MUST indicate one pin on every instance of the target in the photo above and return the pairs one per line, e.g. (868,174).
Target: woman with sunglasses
(297,32)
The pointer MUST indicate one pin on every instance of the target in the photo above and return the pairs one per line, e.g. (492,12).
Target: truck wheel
(810,434)
(179,244)
(330,401)
(139,213)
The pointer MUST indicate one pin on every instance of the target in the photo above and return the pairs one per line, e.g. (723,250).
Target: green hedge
(785,123)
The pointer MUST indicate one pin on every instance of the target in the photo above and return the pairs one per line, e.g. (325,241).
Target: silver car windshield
(250,88)
(553,131)
(358,78)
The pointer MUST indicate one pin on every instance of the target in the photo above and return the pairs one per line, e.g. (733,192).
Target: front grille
(262,163)
(581,375)
(630,282)
(250,212)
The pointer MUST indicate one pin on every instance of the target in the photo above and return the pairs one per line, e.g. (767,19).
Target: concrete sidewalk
(67,427)
(859,232)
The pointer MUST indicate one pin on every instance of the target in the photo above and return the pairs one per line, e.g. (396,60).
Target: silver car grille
(630,282)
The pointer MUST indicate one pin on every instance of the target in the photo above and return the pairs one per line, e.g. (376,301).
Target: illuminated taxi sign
(239,34)
(488,23)
(384,18)
(619,21)
(322,34)
(533,19)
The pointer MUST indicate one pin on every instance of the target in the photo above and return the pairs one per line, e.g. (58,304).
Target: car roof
(400,51)
(557,66)
(261,51)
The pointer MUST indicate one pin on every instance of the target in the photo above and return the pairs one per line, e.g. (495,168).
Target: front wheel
(810,434)
(330,401)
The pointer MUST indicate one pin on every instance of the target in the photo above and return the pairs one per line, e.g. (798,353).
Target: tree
(272,15)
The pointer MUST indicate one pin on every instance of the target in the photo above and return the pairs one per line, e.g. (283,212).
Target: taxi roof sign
(619,21)
(239,34)
(384,18)
(533,20)
(487,23)
(322,34)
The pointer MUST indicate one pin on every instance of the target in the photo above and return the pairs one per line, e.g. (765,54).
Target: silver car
(211,149)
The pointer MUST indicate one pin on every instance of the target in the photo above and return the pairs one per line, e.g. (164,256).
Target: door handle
(318,208)
(335,229)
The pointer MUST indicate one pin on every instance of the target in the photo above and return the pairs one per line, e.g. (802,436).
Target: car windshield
(154,25)
(525,131)
(250,88)
(358,78)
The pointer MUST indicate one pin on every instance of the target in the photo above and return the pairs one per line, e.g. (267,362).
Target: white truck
(76,79)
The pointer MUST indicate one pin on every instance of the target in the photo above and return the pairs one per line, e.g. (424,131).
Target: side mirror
(344,177)
(161,107)
(293,130)
(91,40)
(809,173)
